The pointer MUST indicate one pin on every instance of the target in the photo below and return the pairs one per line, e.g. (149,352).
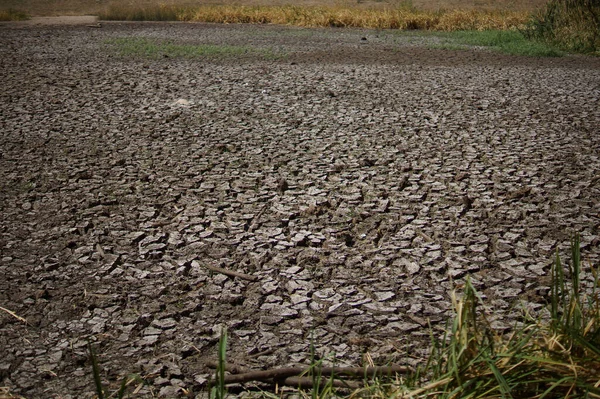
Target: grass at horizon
(95,7)
(12,14)
(507,42)
(402,17)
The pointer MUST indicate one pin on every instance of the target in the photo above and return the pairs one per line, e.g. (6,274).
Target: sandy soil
(355,176)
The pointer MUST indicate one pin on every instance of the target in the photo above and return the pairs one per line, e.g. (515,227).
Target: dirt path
(353,173)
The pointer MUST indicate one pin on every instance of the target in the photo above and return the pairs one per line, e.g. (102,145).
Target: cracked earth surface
(357,176)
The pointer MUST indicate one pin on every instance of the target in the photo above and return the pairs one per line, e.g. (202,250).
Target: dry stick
(282,373)
(298,382)
(13,314)
(232,273)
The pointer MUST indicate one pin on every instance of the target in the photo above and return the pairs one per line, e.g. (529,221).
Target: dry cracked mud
(357,176)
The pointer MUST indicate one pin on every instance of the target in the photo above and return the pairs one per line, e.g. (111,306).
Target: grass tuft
(219,390)
(96,372)
(13,15)
(125,382)
(157,12)
(555,359)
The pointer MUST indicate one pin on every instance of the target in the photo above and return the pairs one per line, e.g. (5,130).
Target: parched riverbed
(355,177)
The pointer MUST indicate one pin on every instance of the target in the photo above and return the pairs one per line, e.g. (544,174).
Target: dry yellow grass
(95,7)
(329,16)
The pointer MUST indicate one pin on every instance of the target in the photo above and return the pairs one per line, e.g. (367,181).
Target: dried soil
(357,175)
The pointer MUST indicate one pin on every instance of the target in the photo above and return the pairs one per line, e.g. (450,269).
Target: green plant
(218,391)
(100,391)
(573,25)
(154,48)
(554,359)
(320,389)
(509,42)
(96,372)
(575,314)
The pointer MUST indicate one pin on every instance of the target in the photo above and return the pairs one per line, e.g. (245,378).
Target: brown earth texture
(355,177)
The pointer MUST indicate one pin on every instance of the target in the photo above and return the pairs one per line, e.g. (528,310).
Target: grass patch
(402,17)
(13,15)
(573,25)
(509,42)
(143,47)
(558,358)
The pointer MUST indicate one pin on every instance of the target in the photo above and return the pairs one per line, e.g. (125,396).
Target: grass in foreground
(554,358)
(13,15)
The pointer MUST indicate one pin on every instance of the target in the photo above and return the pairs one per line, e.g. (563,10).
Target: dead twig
(232,273)
(13,314)
(286,372)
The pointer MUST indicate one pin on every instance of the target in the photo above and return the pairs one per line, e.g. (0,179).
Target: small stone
(169,391)
(201,379)
(164,323)
(384,296)
(270,287)
(403,326)
(151,331)
(297,298)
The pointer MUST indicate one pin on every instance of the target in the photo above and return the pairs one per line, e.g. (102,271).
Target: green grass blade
(96,372)
(122,388)
(219,389)
(553,386)
(502,384)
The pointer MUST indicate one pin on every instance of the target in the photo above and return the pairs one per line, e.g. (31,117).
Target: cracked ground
(354,177)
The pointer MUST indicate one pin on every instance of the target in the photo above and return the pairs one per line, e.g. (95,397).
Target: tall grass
(219,391)
(13,15)
(558,358)
(573,25)
(402,17)
(100,390)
